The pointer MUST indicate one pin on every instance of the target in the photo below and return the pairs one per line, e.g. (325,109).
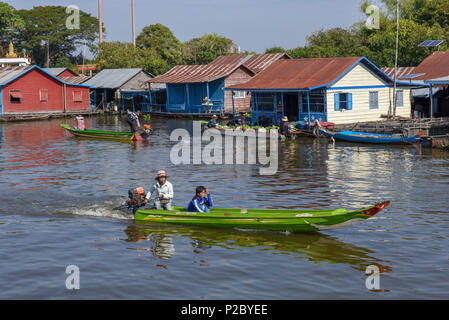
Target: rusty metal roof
(299,73)
(75,79)
(9,73)
(202,73)
(402,71)
(217,69)
(259,62)
(434,66)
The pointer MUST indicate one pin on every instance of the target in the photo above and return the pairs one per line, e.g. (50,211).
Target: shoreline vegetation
(34,34)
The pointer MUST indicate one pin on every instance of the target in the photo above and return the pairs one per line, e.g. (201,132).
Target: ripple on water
(57,195)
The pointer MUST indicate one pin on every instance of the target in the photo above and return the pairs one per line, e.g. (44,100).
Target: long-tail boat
(262,219)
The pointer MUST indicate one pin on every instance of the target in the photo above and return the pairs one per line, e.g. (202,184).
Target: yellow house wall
(361,76)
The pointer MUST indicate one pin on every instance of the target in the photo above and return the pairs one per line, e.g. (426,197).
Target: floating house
(200,89)
(30,89)
(338,90)
(67,75)
(433,71)
(121,89)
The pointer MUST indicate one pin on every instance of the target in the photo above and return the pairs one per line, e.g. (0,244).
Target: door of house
(291,109)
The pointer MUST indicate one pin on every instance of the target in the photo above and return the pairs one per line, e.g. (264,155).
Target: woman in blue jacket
(201,202)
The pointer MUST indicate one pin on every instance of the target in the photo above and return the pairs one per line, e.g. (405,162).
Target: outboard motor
(136,199)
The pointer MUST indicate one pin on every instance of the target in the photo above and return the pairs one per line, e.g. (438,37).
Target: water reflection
(313,247)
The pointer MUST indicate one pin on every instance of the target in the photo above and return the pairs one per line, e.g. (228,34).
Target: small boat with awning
(262,219)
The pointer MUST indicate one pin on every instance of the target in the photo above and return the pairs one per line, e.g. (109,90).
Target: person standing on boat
(201,202)
(133,121)
(285,127)
(161,192)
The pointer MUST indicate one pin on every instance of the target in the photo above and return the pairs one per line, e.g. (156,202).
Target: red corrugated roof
(402,71)
(217,69)
(299,73)
(75,79)
(434,66)
(259,62)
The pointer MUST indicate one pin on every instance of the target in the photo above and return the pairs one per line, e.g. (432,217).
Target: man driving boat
(161,192)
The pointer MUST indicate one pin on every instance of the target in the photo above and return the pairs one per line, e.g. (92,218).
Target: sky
(254,25)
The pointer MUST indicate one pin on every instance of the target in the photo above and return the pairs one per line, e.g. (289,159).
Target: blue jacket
(203,205)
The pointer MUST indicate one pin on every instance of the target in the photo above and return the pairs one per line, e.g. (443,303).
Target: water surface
(57,195)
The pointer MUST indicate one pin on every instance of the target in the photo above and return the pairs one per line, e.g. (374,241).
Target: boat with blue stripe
(374,138)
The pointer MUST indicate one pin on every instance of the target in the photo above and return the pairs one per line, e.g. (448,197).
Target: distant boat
(104,135)
(365,137)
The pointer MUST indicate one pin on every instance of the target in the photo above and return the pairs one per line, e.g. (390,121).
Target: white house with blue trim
(338,90)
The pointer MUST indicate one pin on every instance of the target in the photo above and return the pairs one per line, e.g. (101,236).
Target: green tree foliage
(161,40)
(275,50)
(46,26)
(420,20)
(10,22)
(205,49)
(116,55)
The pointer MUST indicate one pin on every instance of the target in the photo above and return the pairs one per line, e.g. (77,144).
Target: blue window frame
(400,98)
(343,101)
(374,100)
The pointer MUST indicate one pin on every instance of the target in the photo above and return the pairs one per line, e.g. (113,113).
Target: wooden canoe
(104,135)
(259,219)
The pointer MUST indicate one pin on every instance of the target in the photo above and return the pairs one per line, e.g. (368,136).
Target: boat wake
(102,211)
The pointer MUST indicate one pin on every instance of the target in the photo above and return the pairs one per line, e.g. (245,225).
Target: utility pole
(134,23)
(48,53)
(100,18)
(395,98)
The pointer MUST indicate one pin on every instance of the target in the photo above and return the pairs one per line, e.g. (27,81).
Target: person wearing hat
(285,127)
(213,122)
(161,192)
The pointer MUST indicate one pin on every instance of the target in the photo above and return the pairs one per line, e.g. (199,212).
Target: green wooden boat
(255,219)
(106,135)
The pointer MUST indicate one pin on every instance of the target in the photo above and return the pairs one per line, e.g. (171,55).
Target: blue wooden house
(200,89)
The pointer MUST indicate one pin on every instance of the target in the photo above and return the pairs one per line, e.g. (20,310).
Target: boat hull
(268,220)
(372,138)
(104,135)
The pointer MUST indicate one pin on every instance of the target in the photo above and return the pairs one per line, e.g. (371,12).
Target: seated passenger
(201,202)
(213,122)
(242,120)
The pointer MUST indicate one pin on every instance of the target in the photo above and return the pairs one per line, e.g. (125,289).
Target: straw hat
(161,174)
(214,116)
(285,119)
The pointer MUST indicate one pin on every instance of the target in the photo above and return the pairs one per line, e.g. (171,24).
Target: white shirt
(166,190)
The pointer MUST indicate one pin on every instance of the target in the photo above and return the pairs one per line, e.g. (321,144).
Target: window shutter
(349,102)
(77,96)
(337,101)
